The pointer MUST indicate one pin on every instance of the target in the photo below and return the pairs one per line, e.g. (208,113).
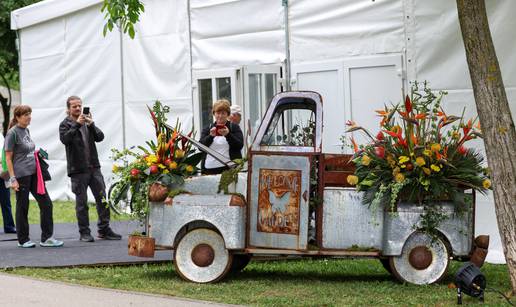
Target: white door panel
(351,90)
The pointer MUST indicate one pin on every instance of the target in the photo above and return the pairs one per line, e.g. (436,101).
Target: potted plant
(151,172)
(419,156)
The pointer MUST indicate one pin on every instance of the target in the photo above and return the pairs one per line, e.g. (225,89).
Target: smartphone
(86,110)
(218,127)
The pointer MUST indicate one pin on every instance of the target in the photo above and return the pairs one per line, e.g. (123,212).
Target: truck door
(282,156)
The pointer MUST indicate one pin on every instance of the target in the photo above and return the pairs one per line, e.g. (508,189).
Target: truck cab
(294,200)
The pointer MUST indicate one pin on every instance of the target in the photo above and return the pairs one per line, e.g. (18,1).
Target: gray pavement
(27,292)
(74,252)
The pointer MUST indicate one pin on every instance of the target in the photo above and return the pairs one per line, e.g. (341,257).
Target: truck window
(291,127)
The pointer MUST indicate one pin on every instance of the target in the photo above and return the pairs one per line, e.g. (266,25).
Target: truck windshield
(292,125)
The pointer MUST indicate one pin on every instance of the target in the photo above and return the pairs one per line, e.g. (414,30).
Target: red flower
(379,151)
(462,150)
(135,172)
(380,136)
(154,169)
(408,104)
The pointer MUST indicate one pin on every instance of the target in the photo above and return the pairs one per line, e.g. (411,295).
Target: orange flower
(355,146)
(382,112)
(421,116)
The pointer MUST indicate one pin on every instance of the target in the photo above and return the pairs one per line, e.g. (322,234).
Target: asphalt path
(74,252)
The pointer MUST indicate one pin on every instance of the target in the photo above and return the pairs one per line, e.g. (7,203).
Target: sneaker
(28,244)
(51,242)
(109,235)
(86,238)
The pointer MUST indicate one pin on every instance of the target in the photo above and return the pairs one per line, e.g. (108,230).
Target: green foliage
(167,160)
(419,156)
(230,176)
(123,14)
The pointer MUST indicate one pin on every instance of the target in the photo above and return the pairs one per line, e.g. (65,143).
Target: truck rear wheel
(201,256)
(422,260)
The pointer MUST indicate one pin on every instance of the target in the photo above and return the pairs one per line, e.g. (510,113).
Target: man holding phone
(78,133)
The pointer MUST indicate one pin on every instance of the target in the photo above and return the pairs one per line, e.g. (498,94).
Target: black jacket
(70,136)
(235,140)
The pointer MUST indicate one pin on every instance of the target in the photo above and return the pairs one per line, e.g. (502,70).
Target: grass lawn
(64,212)
(330,282)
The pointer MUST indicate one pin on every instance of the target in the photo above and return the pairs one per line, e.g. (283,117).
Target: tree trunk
(495,119)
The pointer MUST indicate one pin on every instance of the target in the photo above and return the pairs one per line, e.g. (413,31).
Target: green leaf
(194,159)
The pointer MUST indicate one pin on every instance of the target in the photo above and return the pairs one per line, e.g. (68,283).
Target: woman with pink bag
(25,177)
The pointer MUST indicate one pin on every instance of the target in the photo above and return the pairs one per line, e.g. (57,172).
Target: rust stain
(278,201)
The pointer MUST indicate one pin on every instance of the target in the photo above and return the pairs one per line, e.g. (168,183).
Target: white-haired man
(236,114)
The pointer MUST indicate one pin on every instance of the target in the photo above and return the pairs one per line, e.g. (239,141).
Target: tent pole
(287,45)
(122,85)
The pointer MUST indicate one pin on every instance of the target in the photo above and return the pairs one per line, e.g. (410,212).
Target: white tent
(358,54)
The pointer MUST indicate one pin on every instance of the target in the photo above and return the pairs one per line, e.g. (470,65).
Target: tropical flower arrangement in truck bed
(152,172)
(419,155)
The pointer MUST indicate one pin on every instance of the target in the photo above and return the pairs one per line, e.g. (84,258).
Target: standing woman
(21,163)
(222,136)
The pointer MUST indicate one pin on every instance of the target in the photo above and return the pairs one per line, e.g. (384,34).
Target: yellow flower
(179,154)
(399,177)
(366,160)
(172,165)
(420,161)
(435,147)
(189,168)
(486,183)
(435,168)
(395,171)
(456,135)
(151,159)
(403,159)
(427,170)
(427,152)
(115,168)
(161,166)
(352,179)
(165,171)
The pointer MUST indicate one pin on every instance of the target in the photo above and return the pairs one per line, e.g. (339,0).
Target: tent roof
(46,10)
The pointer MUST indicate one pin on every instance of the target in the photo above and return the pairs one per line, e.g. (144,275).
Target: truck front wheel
(423,260)
(201,256)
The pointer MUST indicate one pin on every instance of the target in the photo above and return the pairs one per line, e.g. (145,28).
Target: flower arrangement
(419,155)
(154,171)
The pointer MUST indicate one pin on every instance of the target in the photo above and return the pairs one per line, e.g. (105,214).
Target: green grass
(64,212)
(342,282)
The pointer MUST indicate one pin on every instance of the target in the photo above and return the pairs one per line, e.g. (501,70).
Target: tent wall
(75,59)
(63,57)
(358,54)
(236,32)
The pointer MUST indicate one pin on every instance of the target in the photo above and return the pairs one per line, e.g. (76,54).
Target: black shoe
(86,238)
(10,230)
(109,235)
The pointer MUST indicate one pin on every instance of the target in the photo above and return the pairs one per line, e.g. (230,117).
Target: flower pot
(157,192)
(141,246)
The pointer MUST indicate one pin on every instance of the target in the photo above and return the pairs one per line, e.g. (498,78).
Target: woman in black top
(222,136)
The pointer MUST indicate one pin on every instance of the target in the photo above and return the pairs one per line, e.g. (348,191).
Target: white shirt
(220,145)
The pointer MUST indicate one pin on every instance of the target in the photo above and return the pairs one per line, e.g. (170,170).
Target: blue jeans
(5,203)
